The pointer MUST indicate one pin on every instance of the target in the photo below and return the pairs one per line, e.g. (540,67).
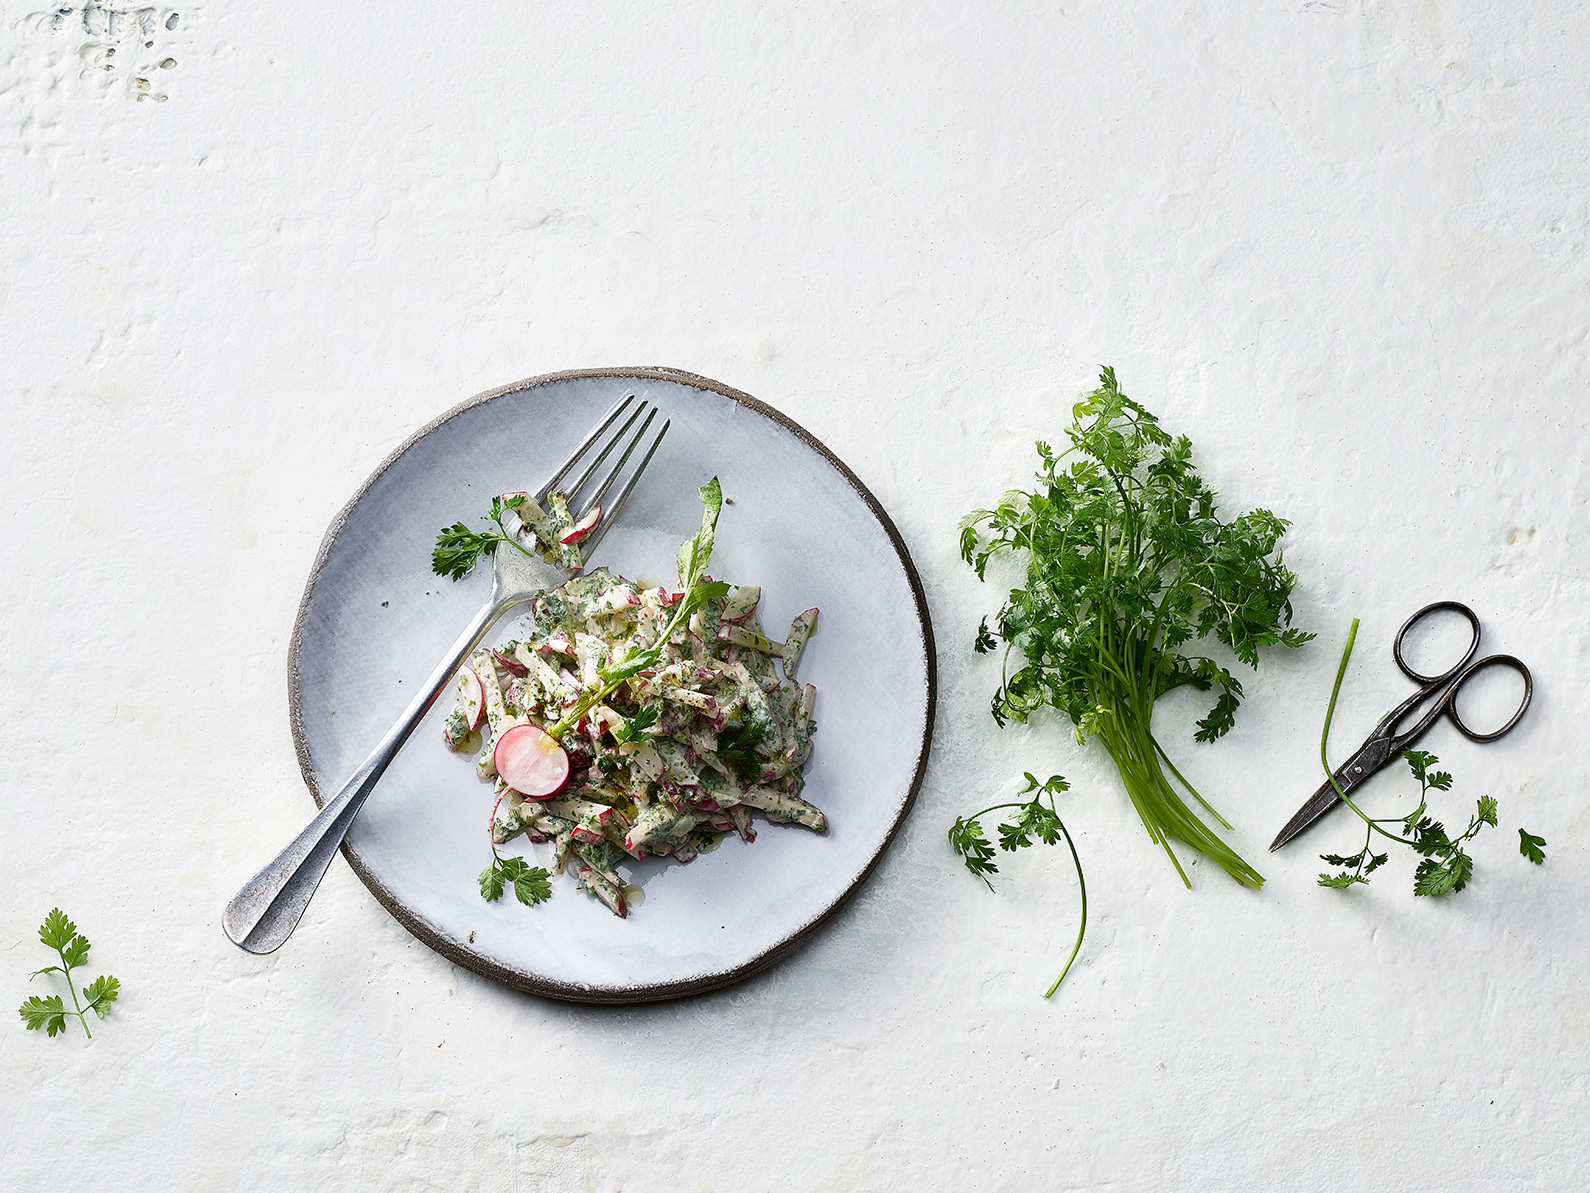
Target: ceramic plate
(375,620)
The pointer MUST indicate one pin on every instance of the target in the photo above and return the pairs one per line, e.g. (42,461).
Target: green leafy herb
(1030,819)
(458,548)
(737,748)
(60,934)
(1531,846)
(1127,563)
(1444,865)
(635,726)
(694,555)
(531,884)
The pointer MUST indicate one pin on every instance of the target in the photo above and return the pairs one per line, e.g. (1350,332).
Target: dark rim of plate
(462,955)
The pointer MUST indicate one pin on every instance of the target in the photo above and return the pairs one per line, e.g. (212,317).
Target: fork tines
(606,482)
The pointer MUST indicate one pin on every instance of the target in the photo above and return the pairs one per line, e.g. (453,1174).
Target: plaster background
(1341,244)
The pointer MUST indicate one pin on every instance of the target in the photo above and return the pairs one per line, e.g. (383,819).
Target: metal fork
(265,911)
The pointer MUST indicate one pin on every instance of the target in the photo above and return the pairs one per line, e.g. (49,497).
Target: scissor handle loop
(1474,645)
(1495,660)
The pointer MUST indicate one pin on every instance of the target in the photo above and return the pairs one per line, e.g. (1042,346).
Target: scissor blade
(1371,756)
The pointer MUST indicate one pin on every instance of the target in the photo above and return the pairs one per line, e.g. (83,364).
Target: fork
(265,911)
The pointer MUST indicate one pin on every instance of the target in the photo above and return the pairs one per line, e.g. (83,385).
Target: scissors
(1385,745)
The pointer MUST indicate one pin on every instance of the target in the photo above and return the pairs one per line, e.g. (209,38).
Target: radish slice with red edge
(531,762)
(583,527)
(472,694)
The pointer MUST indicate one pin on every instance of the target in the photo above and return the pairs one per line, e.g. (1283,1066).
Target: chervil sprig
(458,548)
(60,934)
(1444,865)
(1127,564)
(531,884)
(1031,819)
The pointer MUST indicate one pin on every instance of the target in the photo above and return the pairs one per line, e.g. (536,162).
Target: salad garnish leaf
(531,884)
(50,1012)
(634,729)
(458,548)
(697,550)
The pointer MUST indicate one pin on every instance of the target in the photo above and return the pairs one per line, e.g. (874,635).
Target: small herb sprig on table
(60,934)
(1445,865)
(1030,819)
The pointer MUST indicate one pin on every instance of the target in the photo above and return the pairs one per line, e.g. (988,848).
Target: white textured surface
(1343,245)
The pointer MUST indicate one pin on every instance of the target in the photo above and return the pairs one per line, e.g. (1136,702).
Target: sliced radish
(471,697)
(512,666)
(583,527)
(531,762)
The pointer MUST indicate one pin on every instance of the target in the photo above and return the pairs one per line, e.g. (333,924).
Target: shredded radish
(472,695)
(578,532)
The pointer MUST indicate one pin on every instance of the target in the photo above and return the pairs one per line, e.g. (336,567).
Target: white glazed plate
(374,621)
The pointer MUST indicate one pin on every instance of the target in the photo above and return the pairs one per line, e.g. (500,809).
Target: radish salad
(634,722)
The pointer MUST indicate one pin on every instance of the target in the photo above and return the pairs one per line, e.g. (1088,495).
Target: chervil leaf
(1332,859)
(635,727)
(458,549)
(491,882)
(1030,820)
(75,952)
(1532,847)
(533,886)
(57,931)
(104,991)
(47,1013)
(1053,785)
(1429,837)
(1221,718)
(1445,866)
(1341,881)
(1438,877)
(966,838)
(1419,762)
(737,747)
(984,641)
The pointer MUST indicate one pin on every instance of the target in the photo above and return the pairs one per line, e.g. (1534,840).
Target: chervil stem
(1081,886)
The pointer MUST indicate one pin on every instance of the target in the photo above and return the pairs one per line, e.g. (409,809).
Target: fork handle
(265,911)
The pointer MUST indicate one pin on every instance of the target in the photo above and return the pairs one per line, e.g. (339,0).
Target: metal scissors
(1385,745)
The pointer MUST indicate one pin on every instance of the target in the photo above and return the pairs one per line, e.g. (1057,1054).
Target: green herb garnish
(1030,819)
(531,884)
(60,934)
(1126,564)
(1445,865)
(458,548)
(636,725)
